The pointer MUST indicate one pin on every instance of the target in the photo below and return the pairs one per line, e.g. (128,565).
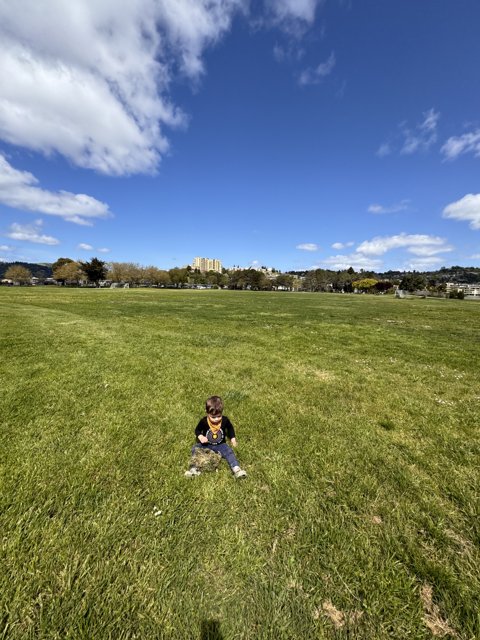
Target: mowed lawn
(357,420)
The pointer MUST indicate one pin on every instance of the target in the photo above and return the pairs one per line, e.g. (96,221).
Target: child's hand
(234,442)
(202,439)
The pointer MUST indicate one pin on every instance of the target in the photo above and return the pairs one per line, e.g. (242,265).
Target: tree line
(74,273)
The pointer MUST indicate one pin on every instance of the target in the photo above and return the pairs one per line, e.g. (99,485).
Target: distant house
(468,289)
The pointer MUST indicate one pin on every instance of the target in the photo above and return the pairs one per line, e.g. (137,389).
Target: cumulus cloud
(93,84)
(342,245)
(423,263)
(394,208)
(19,190)
(467,208)
(457,145)
(314,75)
(6,247)
(30,233)
(412,242)
(426,247)
(308,246)
(84,246)
(355,260)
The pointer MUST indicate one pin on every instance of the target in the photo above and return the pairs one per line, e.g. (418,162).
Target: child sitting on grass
(211,432)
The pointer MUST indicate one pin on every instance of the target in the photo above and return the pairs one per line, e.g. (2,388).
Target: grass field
(357,421)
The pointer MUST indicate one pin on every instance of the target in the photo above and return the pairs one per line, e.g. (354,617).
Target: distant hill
(37,270)
(465,275)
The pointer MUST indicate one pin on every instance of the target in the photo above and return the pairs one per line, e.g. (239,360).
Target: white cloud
(92,84)
(383,150)
(308,246)
(423,263)
(476,256)
(380,245)
(429,250)
(467,208)
(104,250)
(424,134)
(355,260)
(18,190)
(316,74)
(85,247)
(342,245)
(394,208)
(6,247)
(456,145)
(284,12)
(410,141)
(30,233)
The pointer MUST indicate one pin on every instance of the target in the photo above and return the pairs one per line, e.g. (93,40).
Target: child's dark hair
(214,406)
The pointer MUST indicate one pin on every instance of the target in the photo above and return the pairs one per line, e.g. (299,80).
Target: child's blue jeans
(223,449)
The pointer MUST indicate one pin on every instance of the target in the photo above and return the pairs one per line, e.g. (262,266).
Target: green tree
(19,274)
(383,285)
(413,282)
(284,280)
(178,276)
(95,270)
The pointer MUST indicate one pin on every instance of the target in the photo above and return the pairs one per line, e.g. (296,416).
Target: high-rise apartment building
(207,264)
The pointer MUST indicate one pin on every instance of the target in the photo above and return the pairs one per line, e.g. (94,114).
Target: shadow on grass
(210,630)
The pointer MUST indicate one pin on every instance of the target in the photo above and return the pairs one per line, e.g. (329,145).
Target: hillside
(37,270)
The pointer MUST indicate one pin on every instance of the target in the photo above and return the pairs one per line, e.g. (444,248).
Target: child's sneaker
(192,472)
(239,473)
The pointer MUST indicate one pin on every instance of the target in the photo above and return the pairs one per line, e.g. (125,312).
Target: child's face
(215,419)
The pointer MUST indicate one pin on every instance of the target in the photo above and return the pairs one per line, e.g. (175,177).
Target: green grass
(357,420)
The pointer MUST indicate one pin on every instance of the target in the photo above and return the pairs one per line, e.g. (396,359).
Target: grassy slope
(356,418)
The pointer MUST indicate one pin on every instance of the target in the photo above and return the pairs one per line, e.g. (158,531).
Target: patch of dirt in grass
(437,625)
(338,618)
(310,372)
(464,544)
(377,520)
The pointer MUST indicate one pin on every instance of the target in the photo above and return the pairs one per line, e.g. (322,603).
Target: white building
(207,264)
(468,289)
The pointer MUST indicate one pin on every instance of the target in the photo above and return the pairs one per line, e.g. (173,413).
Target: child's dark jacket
(226,431)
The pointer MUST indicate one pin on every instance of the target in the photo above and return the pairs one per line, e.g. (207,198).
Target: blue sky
(288,133)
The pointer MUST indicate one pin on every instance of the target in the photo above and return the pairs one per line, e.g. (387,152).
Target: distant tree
(284,280)
(318,280)
(365,284)
(178,276)
(19,274)
(215,278)
(69,272)
(60,262)
(154,276)
(383,285)
(116,272)
(95,270)
(413,282)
